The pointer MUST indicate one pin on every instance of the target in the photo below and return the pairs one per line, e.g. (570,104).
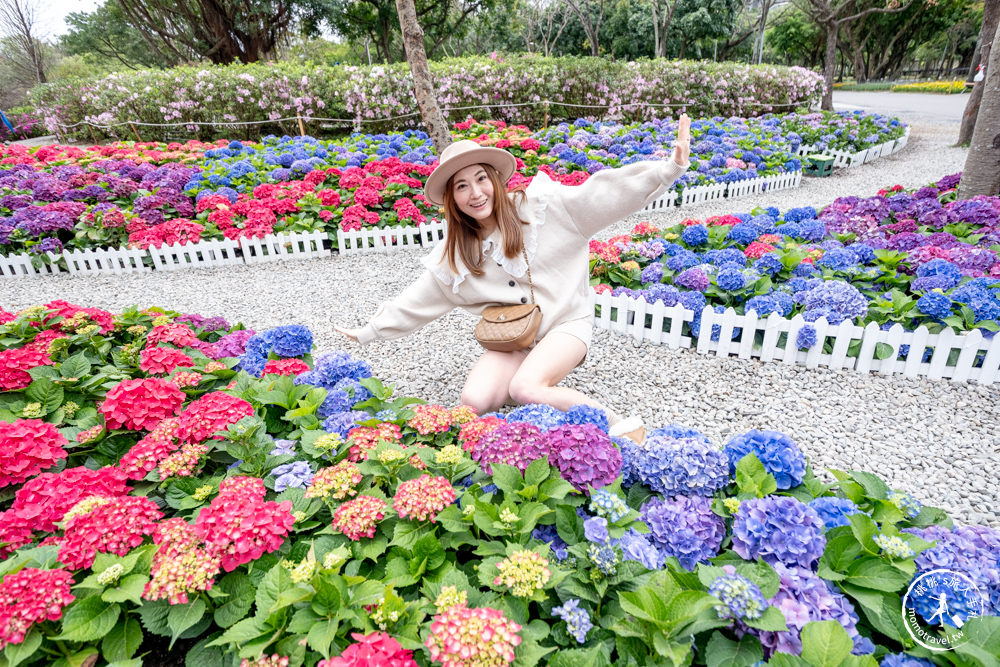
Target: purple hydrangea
(635,546)
(678,431)
(543,416)
(283,448)
(233,344)
(584,455)
(805,339)
(802,598)
(296,475)
(668,294)
(652,273)
(684,527)
(332,367)
(515,443)
(595,529)
(904,660)
(342,422)
(693,278)
(835,300)
(548,534)
(781,457)
(779,529)
(629,452)
(687,466)
(971,550)
(834,511)
(578,622)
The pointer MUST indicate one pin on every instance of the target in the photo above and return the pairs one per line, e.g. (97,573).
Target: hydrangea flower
(211,413)
(904,660)
(936,304)
(523,573)
(971,550)
(636,546)
(297,475)
(905,503)
(834,511)
(893,546)
(371,650)
(740,598)
(672,466)
(514,443)
(240,526)
(115,526)
(338,481)
(543,416)
(140,404)
(428,419)
(31,596)
(806,338)
(604,557)
(548,534)
(422,498)
(587,414)
(464,637)
(583,454)
(181,565)
(578,622)
(359,517)
(779,529)
(470,433)
(608,505)
(342,423)
(28,446)
(684,527)
(781,457)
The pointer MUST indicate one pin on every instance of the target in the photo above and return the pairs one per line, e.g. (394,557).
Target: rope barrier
(359,120)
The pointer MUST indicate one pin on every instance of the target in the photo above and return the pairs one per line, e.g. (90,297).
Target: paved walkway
(911,107)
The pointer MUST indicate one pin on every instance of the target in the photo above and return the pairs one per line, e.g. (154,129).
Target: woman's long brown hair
(463,232)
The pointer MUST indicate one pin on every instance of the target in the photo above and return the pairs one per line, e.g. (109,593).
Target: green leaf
(873,572)
(129,589)
(825,643)
(983,638)
(202,654)
(883,350)
(240,634)
(88,619)
(406,534)
(46,392)
(240,596)
(883,610)
(321,636)
(537,472)
(154,617)
(76,366)
(183,616)
(873,485)
(723,652)
(276,580)
(753,479)
(763,575)
(772,620)
(18,653)
(123,640)
(864,529)
(507,478)
(786,660)
(569,525)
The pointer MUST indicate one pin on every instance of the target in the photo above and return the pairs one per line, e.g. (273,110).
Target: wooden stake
(546,123)
(135,132)
(93,137)
(302,127)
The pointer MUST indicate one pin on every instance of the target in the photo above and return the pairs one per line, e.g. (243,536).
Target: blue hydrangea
(653,273)
(863,253)
(835,299)
(668,294)
(720,257)
(936,304)
(928,283)
(684,527)
(677,431)
(834,511)
(695,235)
(337,400)
(545,417)
(587,414)
(607,504)
(578,622)
(905,503)
(672,466)
(683,260)
(386,415)
(292,340)
(940,267)
(342,422)
(904,660)
(296,475)
(779,529)
(629,451)
(741,598)
(768,264)
(635,546)
(743,233)
(838,259)
(984,303)
(595,529)
(805,339)
(781,457)
(549,535)
(332,367)
(971,550)
(764,224)
(784,302)
(963,601)
(283,448)
(604,557)
(731,279)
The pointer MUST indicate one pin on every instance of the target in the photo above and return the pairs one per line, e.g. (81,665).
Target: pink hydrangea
(153,448)
(116,526)
(181,564)
(372,650)
(359,517)
(285,367)
(364,439)
(429,419)
(28,446)
(42,501)
(422,498)
(240,527)
(584,455)
(210,413)
(513,443)
(140,404)
(337,481)
(162,360)
(464,637)
(31,596)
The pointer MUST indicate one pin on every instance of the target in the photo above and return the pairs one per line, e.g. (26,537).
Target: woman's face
(473,192)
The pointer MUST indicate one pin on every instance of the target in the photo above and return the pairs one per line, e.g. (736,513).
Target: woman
(482,262)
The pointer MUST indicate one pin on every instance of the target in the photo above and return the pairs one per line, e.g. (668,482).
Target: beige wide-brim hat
(460,155)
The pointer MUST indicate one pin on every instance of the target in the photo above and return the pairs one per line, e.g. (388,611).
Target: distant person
(506,247)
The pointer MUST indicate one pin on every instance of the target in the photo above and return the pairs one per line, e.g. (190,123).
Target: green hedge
(379,98)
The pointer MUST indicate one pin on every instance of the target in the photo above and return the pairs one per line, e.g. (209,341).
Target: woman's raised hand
(350,333)
(682,146)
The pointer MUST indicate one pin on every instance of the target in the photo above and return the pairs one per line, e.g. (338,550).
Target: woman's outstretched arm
(425,300)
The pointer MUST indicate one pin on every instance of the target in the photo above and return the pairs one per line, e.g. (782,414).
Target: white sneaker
(631,427)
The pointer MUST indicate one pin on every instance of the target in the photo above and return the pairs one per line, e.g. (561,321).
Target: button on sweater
(562,219)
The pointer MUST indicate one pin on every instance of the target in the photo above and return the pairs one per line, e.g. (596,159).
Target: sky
(52,12)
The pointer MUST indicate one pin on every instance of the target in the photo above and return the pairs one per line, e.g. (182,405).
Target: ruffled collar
(532,210)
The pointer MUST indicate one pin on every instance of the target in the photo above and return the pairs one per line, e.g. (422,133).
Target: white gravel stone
(937,439)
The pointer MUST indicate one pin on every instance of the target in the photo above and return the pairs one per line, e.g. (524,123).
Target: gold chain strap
(531,285)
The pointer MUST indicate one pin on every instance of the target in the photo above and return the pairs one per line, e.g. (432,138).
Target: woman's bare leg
(548,363)
(486,387)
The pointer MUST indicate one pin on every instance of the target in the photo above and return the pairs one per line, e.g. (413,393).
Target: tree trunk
(829,65)
(423,84)
(991,18)
(981,175)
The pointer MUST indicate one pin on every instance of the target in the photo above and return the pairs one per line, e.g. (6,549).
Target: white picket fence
(216,252)
(845,159)
(699,194)
(662,325)
(388,239)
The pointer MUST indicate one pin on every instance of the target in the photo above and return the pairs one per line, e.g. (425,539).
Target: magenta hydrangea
(513,443)
(584,455)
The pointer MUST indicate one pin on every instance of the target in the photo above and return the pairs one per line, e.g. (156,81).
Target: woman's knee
(483,399)
(525,390)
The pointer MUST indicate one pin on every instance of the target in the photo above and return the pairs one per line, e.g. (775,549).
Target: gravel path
(937,439)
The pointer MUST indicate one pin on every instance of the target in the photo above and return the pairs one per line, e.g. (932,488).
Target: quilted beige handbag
(507,328)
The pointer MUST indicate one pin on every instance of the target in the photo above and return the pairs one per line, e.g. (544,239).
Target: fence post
(545,105)
(302,127)
(135,132)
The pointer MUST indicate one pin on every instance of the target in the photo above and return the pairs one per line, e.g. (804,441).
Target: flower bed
(146,195)
(296,510)
(206,100)
(919,261)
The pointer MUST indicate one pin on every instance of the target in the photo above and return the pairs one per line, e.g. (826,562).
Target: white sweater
(562,219)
